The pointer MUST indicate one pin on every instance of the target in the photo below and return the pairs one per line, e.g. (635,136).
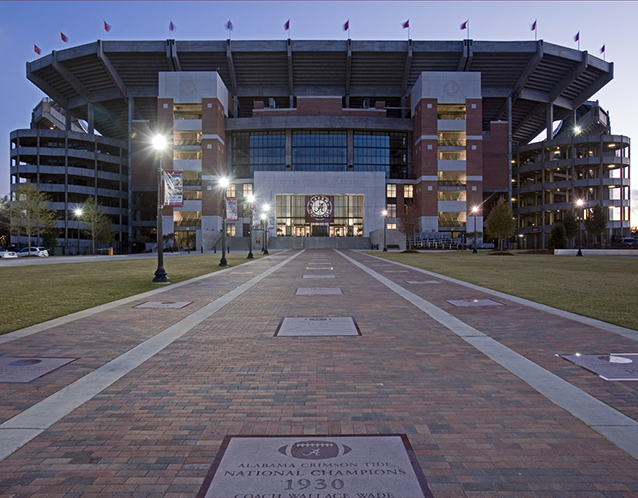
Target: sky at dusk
(25,23)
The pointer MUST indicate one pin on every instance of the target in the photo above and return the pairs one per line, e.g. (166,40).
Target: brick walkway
(476,428)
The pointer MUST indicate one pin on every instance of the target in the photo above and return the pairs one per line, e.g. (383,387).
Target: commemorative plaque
(163,304)
(23,370)
(318,276)
(419,282)
(241,273)
(215,283)
(315,467)
(395,271)
(318,291)
(614,366)
(329,268)
(474,302)
(317,326)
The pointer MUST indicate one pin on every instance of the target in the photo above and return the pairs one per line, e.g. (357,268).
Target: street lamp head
(266,207)
(250,198)
(159,142)
(475,209)
(78,212)
(384,213)
(223,182)
(577,130)
(264,216)
(579,202)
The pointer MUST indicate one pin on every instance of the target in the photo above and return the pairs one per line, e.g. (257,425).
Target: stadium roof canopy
(532,73)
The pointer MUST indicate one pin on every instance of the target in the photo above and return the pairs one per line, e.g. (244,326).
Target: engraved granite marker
(418,282)
(318,276)
(317,291)
(317,326)
(615,366)
(475,302)
(23,370)
(163,304)
(315,467)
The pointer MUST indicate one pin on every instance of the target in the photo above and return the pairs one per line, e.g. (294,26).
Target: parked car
(33,251)
(6,253)
(629,242)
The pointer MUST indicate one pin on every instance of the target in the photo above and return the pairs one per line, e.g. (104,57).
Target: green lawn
(34,294)
(605,288)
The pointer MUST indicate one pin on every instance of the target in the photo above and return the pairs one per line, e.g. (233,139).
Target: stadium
(329,134)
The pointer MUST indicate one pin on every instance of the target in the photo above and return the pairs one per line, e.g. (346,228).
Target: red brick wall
(214,160)
(424,160)
(428,200)
(317,106)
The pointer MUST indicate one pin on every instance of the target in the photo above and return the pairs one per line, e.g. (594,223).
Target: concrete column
(131,109)
(350,150)
(289,149)
(91,117)
(550,121)
(509,150)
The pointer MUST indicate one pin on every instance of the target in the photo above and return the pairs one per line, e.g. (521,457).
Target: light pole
(385,229)
(579,203)
(251,200)
(78,216)
(159,142)
(223,183)
(474,211)
(264,219)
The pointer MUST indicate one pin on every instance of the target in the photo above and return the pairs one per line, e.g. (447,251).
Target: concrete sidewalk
(487,406)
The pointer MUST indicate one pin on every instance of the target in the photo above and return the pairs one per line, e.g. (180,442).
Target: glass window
(392,226)
(247,189)
(230,190)
(408,191)
(391,190)
(319,151)
(257,151)
(381,151)
(392,210)
(230,229)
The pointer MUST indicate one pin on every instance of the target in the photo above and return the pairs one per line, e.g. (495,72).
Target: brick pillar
(424,156)
(214,160)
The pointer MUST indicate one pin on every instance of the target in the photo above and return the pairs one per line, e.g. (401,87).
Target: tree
(596,222)
(29,213)
(500,223)
(558,237)
(571,225)
(99,226)
(5,223)
(410,222)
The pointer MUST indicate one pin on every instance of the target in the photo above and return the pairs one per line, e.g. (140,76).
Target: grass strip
(604,288)
(37,293)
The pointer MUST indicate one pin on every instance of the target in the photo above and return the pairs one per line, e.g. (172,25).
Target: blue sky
(25,23)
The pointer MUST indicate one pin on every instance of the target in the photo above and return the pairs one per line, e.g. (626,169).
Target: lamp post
(474,211)
(78,216)
(251,200)
(385,229)
(223,183)
(159,143)
(264,219)
(580,203)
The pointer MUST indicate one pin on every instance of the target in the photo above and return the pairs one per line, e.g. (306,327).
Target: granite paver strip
(475,427)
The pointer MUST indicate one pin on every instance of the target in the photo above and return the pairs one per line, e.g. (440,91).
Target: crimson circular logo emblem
(314,450)
(319,206)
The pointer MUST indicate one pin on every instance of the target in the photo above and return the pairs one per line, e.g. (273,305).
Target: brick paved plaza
(478,391)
